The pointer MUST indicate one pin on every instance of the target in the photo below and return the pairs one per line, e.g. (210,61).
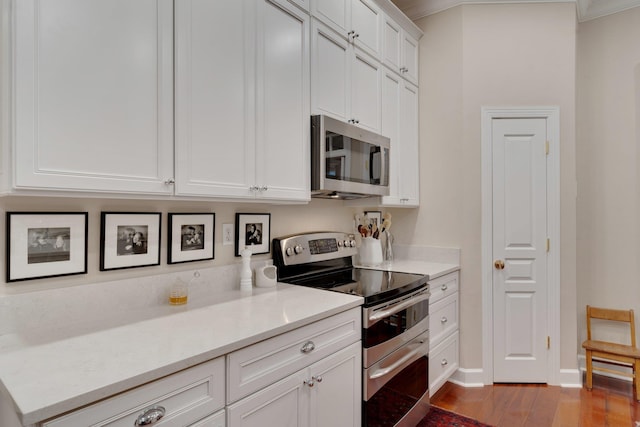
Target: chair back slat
(625,316)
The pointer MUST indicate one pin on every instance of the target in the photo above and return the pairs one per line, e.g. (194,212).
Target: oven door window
(395,324)
(349,159)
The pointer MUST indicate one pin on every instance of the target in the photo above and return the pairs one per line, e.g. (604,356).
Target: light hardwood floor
(610,404)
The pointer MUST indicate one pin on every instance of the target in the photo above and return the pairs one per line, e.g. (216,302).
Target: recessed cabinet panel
(282,125)
(410,58)
(366,22)
(390,127)
(410,153)
(334,13)
(94,95)
(366,92)
(214,148)
(392,38)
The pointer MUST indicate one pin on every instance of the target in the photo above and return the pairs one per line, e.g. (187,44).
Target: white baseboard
(571,378)
(582,366)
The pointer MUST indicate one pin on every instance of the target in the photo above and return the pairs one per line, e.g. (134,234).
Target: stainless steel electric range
(395,321)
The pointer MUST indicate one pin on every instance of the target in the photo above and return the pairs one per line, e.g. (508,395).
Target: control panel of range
(313,247)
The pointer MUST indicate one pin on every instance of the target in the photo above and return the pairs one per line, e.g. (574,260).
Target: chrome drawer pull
(151,416)
(444,362)
(308,347)
(443,320)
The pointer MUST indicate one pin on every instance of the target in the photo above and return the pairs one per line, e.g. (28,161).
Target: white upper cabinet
(346,83)
(93,95)
(359,21)
(400,50)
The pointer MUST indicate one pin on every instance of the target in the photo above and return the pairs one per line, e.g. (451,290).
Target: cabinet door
(330,73)
(283,404)
(214,142)
(366,87)
(335,13)
(392,44)
(410,153)
(282,102)
(410,58)
(366,22)
(94,95)
(336,396)
(390,127)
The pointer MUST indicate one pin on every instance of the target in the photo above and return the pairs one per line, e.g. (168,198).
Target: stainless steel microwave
(347,162)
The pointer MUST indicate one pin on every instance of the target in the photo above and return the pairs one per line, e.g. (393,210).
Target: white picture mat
(243,221)
(111,223)
(19,245)
(179,220)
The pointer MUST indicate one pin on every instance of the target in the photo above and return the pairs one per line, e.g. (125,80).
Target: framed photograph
(375,217)
(190,237)
(254,232)
(129,239)
(46,244)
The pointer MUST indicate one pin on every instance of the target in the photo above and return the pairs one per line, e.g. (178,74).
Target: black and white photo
(129,240)
(46,244)
(190,237)
(253,232)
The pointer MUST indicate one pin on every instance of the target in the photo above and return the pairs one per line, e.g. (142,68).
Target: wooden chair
(611,352)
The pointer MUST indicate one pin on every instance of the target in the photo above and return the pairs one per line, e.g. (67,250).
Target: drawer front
(443,319)
(187,397)
(216,420)
(443,286)
(255,367)
(443,362)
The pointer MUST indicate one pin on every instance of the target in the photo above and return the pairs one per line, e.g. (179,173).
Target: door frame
(552,116)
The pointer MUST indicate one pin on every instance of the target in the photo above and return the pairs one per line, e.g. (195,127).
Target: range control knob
(289,251)
(297,249)
(345,243)
(341,243)
(352,243)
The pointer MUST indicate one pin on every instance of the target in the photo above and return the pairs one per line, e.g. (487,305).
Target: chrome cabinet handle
(169,181)
(444,362)
(443,320)
(308,347)
(151,416)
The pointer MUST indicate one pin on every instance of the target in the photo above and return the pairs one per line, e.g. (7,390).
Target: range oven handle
(407,359)
(374,317)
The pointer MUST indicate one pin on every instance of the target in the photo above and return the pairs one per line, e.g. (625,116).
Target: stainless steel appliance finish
(347,162)
(395,316)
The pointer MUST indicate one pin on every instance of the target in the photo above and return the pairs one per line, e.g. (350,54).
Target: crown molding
(586,9)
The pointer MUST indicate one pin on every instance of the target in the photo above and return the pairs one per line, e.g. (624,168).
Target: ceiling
(587,9)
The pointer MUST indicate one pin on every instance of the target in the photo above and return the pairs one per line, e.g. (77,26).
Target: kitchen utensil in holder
(387,250)
(370,252)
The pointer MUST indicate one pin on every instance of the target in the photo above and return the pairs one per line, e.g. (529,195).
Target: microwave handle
(384,161)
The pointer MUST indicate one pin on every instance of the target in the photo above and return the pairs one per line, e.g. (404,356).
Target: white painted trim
(582,367)
(468,377)
(552,115)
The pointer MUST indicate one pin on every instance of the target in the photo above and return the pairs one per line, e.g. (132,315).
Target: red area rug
(440,418)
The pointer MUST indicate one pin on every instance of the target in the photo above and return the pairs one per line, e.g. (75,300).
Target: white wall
(490,55)
(608,107)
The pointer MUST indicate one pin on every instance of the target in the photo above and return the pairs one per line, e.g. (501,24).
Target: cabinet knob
(444,287)
(498,264)
(444,362)
(318,378)
(310,382)
(443,320)
(308,347)
(169,181)
(150,416)
(254,188)
(264,188)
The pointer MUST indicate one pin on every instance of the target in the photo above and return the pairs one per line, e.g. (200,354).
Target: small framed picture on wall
(191,237)
(129,239)
(253,231)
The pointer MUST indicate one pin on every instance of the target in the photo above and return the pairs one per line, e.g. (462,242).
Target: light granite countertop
(47,371)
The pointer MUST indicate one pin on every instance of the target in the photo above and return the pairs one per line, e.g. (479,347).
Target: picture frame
(253,230)
(375,217)
(129,240)
(191,237)
(45,244)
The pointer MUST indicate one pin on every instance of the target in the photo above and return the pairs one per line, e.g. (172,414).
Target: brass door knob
(498,264)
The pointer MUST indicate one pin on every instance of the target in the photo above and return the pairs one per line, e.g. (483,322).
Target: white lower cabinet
(327,393)
(444,338)
(186,398)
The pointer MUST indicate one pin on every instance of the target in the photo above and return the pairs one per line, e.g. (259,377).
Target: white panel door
(335,13)
(94,95)
(330,73)
(410,58)
(519,242)
(410,152)
(336,397)
(366,84)
(282,102)
(366,22)
(214,147)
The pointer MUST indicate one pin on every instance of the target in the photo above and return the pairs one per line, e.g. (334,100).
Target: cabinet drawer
(255,367)
(443,318)
(216,420)
(187,397)
(443,286)
(443,362)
